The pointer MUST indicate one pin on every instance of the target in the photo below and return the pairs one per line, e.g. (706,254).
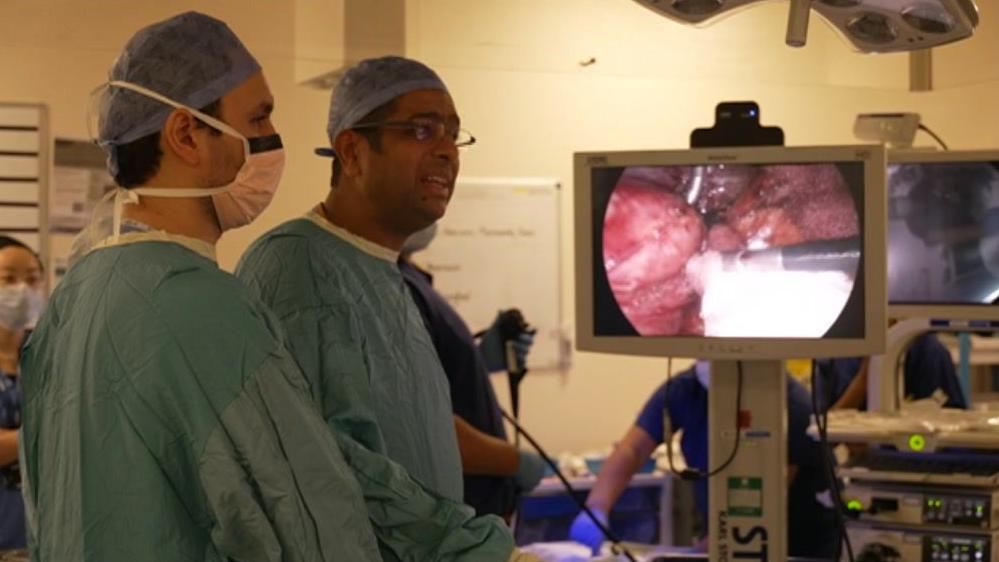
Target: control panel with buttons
(939,507)
(943,548)
(892,542)
(972,511)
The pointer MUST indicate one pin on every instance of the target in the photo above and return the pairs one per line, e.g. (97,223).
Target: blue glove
(493,348)
(530,471)
(521,347)
(586,532)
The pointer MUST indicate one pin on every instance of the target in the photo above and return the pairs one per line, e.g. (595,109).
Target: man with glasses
(333,281)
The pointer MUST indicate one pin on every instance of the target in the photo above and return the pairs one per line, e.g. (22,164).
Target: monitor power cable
(928,131)
(692,473)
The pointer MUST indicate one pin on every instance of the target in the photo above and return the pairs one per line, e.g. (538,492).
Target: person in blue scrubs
(496,472)
(22,298)
(812,530)
(928,368)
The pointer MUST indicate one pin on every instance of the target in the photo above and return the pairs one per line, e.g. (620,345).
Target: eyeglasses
(425,130)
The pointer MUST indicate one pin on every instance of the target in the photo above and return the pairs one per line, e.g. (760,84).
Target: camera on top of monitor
(897,130)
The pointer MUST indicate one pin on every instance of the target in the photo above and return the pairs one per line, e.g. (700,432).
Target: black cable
(617,547)
(821,423)
(934,135)
(738,429)
(817,413)
(693,473)
(668,429)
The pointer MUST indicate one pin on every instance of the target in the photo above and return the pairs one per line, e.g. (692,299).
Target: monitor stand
(747,499)
(884,387)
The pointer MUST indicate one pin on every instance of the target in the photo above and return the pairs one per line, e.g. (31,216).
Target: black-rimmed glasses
(425,130)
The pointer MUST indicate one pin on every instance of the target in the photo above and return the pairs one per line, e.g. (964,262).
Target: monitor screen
(943,234)
(740,253)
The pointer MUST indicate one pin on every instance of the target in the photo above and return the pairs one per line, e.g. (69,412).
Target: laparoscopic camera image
(943,233)
(729,250)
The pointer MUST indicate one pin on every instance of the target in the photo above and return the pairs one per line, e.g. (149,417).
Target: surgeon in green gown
(164,419)
(331,276)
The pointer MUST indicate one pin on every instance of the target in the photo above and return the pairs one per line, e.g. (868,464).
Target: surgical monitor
(943,234)
(746,253)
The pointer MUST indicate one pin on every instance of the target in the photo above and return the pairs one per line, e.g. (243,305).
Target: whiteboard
(498,247)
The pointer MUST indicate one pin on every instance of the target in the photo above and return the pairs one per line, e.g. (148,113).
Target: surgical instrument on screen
(842,254)
(695,185)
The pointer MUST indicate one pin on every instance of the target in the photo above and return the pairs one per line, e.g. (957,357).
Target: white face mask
(703,371)
(20,306)
(420,240)
(237,203)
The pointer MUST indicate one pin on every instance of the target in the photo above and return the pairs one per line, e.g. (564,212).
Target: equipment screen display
(943,233)
(729,250)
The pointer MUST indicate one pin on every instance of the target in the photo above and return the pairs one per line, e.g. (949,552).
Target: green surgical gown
(164,421)
(359,338)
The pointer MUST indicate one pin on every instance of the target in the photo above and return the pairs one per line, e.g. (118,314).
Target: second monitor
(943,234)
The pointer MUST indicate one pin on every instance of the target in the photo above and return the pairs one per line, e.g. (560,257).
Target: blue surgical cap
(372,83)
(191,58)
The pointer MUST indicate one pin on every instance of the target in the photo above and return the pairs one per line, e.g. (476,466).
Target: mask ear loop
(214,123)
(208,119)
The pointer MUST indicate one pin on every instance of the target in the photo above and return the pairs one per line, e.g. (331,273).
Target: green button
(917,442)
(854,505)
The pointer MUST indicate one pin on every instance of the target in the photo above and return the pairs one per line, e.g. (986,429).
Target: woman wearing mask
(22,298)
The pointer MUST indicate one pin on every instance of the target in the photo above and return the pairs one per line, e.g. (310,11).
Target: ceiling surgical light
(872,26)
(928,19)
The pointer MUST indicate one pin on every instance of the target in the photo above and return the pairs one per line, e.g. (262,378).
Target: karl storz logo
(745,543)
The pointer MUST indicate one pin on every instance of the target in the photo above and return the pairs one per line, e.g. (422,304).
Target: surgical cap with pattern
(190,58)
(372,83)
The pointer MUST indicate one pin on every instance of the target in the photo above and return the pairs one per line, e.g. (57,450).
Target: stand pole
(747,499)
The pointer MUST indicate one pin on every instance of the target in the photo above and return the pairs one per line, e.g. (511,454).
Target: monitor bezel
(932,310)
(875,243)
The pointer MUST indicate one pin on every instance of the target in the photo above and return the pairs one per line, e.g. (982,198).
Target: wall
(514,71)
(971,61)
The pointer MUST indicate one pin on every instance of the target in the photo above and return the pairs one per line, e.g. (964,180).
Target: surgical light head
(372,83)
(872,26)
(190,58)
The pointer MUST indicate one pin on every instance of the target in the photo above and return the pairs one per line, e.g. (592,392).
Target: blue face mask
(703,371)
(420,240)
